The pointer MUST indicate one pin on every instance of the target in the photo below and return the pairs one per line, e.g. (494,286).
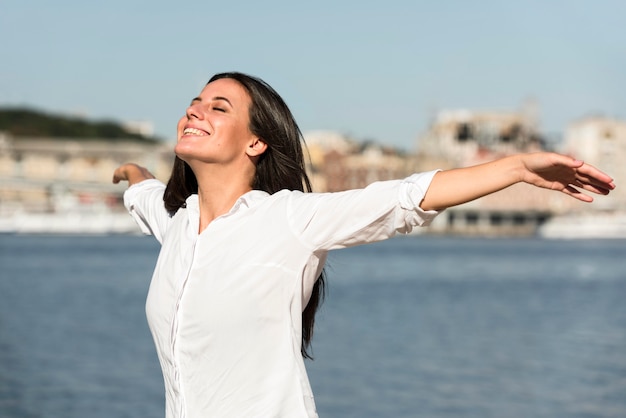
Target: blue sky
(374,70)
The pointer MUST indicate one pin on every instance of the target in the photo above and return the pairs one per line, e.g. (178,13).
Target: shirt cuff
(131,198)
(131,193)
(411,193)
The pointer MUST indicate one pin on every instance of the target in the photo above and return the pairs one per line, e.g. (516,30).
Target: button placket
(174,332)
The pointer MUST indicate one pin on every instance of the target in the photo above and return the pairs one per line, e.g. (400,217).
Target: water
(412,327)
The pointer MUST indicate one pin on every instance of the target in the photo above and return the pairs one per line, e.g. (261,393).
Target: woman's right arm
(144,199)
(132,173)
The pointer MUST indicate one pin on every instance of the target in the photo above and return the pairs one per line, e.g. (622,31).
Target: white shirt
(224,306)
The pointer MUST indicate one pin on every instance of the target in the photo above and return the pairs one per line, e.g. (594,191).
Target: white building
(601,141)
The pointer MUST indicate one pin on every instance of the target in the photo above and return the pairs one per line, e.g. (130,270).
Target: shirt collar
(247,200)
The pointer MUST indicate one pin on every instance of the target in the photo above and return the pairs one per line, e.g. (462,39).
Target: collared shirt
(225,306)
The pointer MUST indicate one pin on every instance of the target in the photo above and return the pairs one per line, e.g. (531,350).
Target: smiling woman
(215,130)
(239,277)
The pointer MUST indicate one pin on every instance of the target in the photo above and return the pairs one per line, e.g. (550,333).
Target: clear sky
(373,69)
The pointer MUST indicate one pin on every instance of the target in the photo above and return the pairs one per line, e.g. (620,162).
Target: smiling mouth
(194,131)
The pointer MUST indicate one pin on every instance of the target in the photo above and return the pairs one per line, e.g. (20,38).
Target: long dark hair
(280,167)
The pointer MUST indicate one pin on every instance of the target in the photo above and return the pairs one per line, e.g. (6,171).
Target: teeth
(194,131)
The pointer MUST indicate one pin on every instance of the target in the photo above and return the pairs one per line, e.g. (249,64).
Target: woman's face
(215,128)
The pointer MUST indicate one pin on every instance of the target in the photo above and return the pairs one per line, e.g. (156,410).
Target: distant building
(320,145)
(340,163)
(601,141)
(37,173)
(464,138)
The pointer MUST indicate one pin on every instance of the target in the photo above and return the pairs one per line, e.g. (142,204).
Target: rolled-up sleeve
(330,221)
(410,195)
(144,202)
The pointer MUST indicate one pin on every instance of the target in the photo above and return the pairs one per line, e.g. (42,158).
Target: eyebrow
(199,99)
(224,99)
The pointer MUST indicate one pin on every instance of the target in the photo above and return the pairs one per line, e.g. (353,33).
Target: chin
(190,156)
(182,152)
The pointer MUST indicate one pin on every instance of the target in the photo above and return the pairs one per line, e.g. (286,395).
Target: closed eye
(218,101)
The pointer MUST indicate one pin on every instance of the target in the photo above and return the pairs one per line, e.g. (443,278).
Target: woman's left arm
(545,170)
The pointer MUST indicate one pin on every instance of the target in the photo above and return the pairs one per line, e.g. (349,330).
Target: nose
(194,111)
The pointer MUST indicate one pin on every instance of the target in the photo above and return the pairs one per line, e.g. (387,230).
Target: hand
(565,174)
(132,173)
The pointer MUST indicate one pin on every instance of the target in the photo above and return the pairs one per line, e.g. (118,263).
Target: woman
(232,300)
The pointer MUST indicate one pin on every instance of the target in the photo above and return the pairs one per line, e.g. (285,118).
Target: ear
(256,147)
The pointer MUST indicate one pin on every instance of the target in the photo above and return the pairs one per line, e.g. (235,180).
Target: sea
(417,326)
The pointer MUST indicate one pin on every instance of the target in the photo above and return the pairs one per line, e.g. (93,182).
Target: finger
(594,188)
(577,194)
(591,173)
(564,160)
(117,176)
(603,187)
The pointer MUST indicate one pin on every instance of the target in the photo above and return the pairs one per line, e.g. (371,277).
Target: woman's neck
(217,195)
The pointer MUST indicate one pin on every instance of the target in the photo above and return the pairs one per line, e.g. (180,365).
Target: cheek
(180,126)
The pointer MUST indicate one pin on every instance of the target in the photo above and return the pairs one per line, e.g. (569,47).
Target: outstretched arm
(145,204)
(132,173)
(545,170)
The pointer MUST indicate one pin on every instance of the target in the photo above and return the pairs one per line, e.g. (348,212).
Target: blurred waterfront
(413,327)
(63,184)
